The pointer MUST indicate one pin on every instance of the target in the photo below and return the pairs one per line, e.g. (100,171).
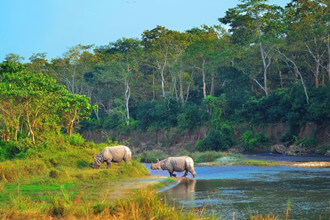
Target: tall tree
(308,29)
(255,23)
(70,69)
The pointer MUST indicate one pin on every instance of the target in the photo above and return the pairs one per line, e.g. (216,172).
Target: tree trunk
(295,68)
(181,86)
(281,79)
(153,86)
(266,65)
(317,73)
(212,85)
(127,97)
(204,79)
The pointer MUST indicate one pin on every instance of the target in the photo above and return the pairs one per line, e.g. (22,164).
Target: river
(225,190)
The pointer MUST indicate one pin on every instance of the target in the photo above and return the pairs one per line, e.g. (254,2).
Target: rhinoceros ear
(157,160)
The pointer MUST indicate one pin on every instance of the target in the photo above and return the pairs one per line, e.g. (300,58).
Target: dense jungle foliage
(271,65)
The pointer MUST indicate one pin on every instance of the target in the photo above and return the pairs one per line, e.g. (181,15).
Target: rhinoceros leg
(193,173)
(185,173)
(172,174)
(109,164)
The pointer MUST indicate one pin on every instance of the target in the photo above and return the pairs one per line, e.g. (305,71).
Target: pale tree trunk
(296,69)
(153,86)
(127,97)
(266,61)
(174,87)
(317,60)
(188,87)
(161,68)
(212,85)
(204,78)
(328,66)
(181,86)
(202,69)
(281,79)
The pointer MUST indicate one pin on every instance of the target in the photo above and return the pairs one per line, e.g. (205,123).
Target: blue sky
(53,26)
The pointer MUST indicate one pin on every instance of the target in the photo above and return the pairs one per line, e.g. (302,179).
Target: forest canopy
(271,65)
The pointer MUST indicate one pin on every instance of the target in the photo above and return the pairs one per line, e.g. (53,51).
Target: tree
(70,69)
(308,29)
(206,54)
(120,67)
(165,48)
(33,102)
(254,23)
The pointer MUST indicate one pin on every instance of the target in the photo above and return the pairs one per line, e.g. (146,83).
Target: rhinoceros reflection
(185,190)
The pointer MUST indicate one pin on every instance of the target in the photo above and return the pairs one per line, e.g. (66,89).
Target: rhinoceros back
(179,164)
(117,153)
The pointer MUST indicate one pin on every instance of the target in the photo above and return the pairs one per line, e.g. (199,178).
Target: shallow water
(246,189)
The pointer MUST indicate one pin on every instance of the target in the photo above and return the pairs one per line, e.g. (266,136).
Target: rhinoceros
(112,154)
(177,164)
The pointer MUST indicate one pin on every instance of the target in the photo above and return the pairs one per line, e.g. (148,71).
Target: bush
(207,156)
(307,142)
(217,139)
(54,174)
(152,156)
(252,140)
(190,117)
(76,139)
(157,114)
(112,121)
(8,150)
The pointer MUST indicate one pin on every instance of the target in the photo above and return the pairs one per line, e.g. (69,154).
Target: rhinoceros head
(97,163)
(156,166)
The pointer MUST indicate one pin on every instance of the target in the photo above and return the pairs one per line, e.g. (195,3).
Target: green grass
(58,182)
(38,184)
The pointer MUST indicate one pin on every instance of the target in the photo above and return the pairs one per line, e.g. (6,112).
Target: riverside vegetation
(270,67)
(59,182)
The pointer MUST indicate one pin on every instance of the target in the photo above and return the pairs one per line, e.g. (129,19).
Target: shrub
(217,139)
(207,156)
(157,114)
(307,142)
(152,156)
(82,164)
(8,150)
(76,139)
(252,140)
(190,117)
(54,174)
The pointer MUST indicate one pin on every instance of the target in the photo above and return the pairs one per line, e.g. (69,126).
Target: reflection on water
(184,191)
(265,190)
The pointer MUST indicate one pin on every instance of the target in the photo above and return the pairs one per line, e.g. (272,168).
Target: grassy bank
(58,182)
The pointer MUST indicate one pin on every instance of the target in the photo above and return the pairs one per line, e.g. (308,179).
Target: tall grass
(146,204)
(142,204)
(11,171)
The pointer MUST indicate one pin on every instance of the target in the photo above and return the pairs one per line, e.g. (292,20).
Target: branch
(297,71)
(260,85)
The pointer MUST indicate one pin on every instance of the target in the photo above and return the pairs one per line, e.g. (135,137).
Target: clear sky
(53,26)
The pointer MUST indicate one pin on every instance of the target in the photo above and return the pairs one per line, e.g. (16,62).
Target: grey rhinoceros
(112,154)
(177,164)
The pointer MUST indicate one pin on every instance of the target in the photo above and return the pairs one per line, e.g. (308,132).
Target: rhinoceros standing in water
(177,164)
(112,154)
